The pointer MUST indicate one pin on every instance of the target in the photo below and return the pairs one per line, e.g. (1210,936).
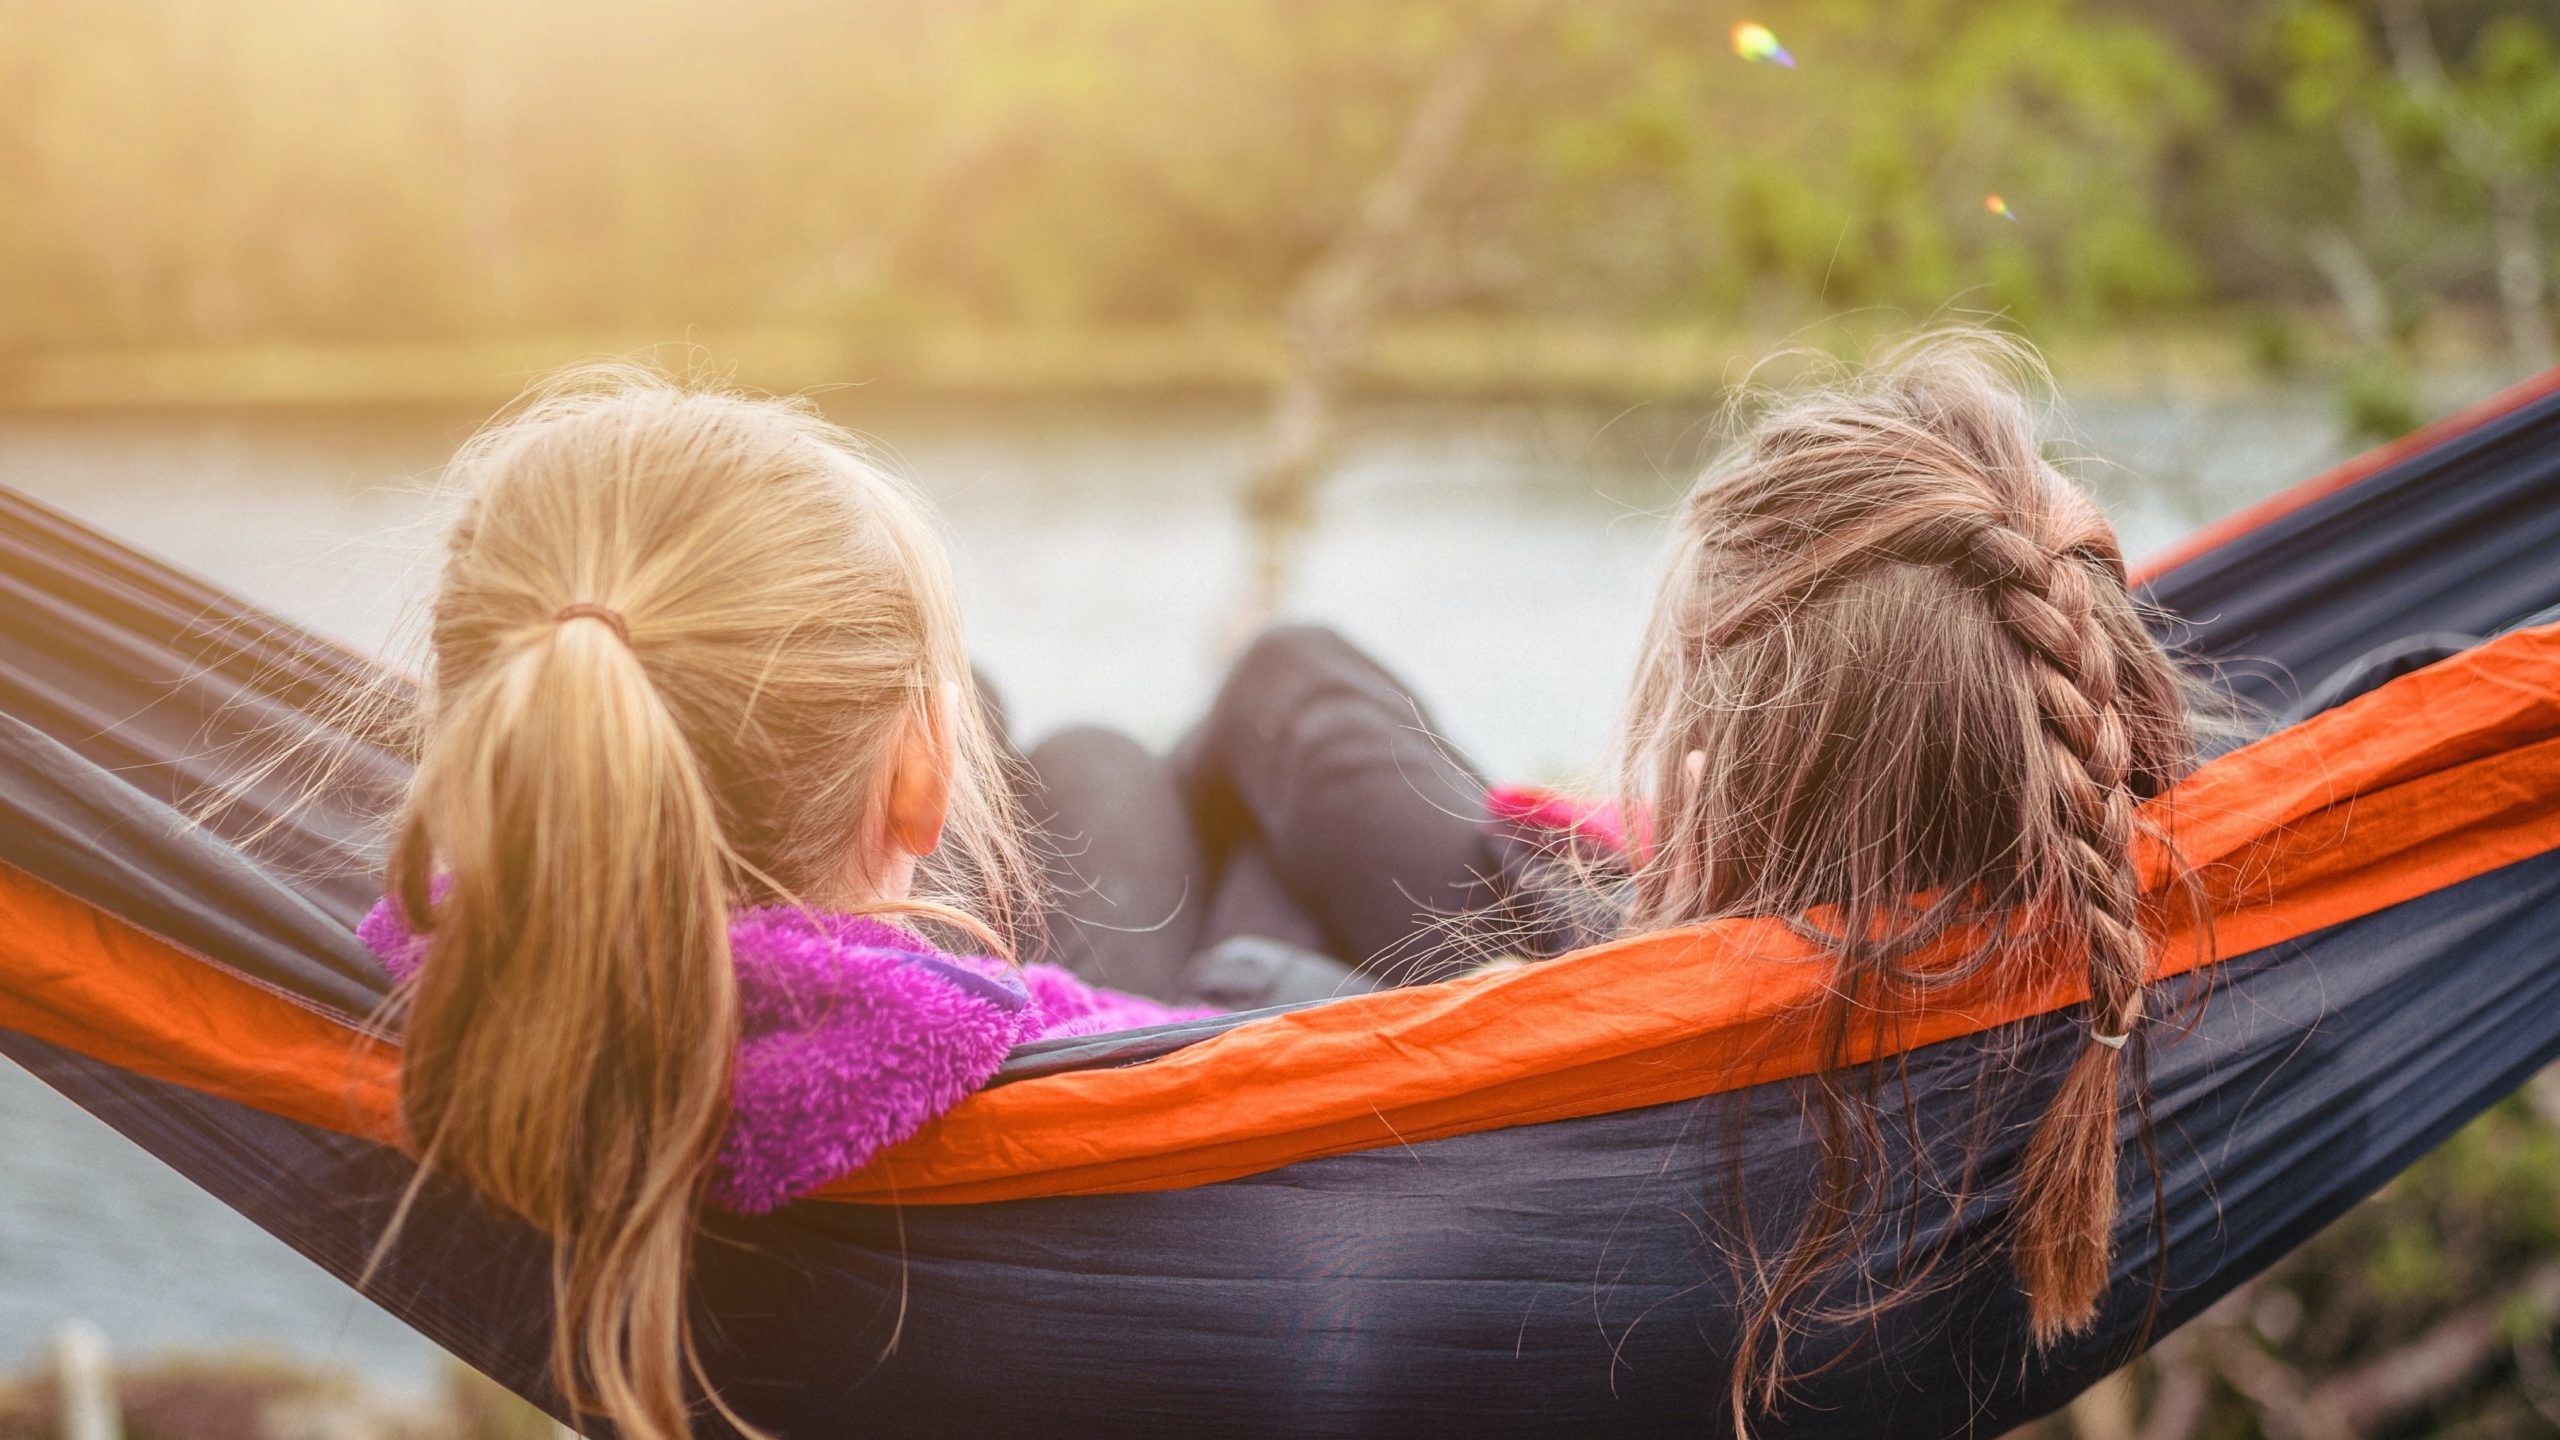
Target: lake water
(1498,557)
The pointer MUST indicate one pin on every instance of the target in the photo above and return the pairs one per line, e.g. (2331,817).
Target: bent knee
(1284,652)
(1082,747)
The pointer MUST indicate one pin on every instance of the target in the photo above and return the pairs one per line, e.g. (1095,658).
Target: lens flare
(1755,42)
(1999,207)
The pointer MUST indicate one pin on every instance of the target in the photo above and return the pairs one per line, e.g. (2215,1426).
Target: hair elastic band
(590,610)
(2112,1042)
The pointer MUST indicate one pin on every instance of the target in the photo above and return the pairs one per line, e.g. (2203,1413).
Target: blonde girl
(698,749)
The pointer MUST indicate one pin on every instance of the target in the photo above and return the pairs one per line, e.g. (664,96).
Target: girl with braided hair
(1894,689)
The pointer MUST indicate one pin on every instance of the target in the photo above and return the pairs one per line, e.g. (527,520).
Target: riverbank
(257,1395)
(1468,359)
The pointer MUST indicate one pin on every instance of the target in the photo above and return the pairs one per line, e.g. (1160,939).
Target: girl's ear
(920,781)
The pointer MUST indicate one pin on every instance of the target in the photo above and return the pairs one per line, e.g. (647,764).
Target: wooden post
(87,1382)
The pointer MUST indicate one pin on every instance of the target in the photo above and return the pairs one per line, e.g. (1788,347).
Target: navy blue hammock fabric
(1541,1277)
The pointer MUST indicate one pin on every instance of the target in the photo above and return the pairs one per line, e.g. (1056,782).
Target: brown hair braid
(1895,682)
(2049,600)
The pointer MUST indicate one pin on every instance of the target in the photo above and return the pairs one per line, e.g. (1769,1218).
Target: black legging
(1315,805)
(1132,884)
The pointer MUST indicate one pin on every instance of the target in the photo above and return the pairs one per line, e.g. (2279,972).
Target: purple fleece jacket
(854,1033)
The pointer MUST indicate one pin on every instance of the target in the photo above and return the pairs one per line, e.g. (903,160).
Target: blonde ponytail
(570,1038)
(678,639)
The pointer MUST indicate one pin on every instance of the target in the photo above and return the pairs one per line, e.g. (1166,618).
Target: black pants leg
(1321,759)
(1130,882)
(1250,899)
(1137,903)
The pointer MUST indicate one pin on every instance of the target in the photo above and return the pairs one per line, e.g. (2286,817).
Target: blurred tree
(181,172)
(1337,300)
(2497,128)
(2406,182)
(1859,177)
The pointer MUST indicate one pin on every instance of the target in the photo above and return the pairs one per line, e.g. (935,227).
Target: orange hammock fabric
(2438,777)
